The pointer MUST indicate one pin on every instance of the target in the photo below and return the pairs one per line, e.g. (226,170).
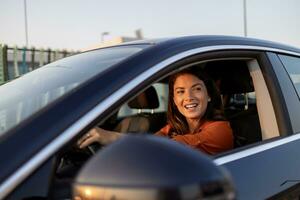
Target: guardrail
(15,61)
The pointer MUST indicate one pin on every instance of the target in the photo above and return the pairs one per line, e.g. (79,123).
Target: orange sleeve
(215,137)
(163,131)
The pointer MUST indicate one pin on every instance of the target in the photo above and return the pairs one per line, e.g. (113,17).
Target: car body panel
(262,171)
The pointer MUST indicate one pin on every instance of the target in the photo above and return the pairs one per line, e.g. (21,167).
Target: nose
(189,95)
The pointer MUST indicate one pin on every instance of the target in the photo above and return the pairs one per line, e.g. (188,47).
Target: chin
(193,117)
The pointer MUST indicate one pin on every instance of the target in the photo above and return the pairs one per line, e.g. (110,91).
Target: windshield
(26,95)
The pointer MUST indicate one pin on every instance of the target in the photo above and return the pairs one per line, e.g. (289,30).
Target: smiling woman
(195,113)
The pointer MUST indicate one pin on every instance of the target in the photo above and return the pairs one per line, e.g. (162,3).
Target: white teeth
(190,105)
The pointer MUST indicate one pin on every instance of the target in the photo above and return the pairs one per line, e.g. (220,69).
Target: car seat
(235,80)
(143,122)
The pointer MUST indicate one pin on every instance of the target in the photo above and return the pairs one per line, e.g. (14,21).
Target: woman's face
(190,96)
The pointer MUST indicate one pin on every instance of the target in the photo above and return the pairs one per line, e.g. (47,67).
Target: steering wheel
(93,148)
(71,160)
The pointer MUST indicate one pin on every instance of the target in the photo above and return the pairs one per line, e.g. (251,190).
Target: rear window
(292,65)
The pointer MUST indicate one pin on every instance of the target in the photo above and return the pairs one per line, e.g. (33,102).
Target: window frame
(287,95)
(265,109)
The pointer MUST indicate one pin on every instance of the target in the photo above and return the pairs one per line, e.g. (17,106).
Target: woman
(195,116)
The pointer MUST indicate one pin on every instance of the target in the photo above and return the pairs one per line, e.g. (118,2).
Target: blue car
(43,114)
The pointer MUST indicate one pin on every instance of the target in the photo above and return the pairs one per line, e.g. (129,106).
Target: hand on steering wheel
(91,137)
(98,135)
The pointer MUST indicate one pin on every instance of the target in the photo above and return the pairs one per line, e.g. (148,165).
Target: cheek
(204,101)
(178,105)
(205,104)
(204,96)
(176,101)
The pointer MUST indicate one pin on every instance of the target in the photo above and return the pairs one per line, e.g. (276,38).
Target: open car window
(239,82)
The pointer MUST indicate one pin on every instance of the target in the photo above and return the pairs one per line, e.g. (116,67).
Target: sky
(78,24)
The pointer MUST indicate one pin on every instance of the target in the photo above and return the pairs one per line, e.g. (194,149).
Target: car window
(246,100)
(243,100)
(26,95)
(292,65)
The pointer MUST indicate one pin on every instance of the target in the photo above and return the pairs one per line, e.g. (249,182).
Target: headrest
(145,100)
(232,76)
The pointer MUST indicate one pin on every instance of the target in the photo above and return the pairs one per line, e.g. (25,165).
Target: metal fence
(15,61)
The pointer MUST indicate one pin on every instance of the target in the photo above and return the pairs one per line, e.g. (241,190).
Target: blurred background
(80,24)
(35,32)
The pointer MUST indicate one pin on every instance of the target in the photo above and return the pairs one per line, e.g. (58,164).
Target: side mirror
(151,168)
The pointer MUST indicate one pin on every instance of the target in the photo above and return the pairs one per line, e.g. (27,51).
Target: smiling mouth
(190,106)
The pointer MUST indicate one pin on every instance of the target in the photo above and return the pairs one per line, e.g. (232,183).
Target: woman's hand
(98,135)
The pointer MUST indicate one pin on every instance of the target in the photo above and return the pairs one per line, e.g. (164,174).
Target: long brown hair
(214,111)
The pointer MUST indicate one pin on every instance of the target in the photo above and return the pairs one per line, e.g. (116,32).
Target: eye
(198,88)
(179,91)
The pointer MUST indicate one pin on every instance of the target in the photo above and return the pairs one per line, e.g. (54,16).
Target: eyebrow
(201,84)
(196,84)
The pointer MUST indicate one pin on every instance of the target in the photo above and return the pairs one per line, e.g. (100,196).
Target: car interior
(147,113)
(147,119)
(236,86)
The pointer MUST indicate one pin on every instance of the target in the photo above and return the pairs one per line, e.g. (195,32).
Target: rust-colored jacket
(212,137)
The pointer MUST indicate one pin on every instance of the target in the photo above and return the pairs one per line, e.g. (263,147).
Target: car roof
(210,40)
